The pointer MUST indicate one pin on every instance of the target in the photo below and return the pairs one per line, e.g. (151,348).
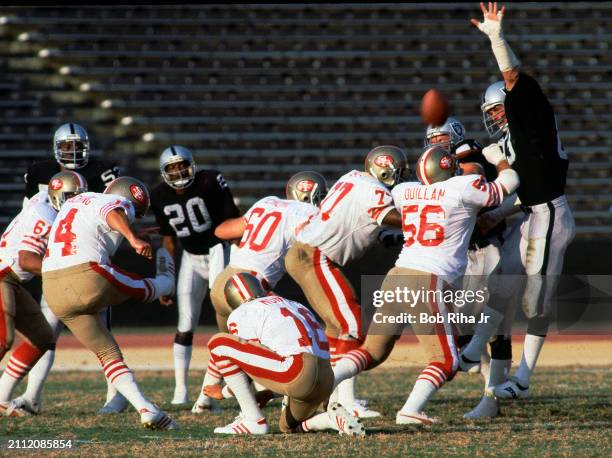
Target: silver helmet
(453,131)
(63,186)
(494,95)
(243,287)
(307,186)
(435,164)
(133,190)
(183,176)
(71,146)
(386,163)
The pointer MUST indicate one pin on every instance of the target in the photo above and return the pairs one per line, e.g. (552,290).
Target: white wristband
(506,59)
(509,179)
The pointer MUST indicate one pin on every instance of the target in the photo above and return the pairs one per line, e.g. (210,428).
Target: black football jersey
(98,173)
(194,215)
(532,143)
(469,150)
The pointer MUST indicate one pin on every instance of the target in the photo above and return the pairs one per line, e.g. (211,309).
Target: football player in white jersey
(438,216)
(22,248)
(280,345)
(350,218)
(266,232)
(79,279)
(484,253)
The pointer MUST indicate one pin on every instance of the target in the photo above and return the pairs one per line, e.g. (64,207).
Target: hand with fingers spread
(492,27)
(492,24)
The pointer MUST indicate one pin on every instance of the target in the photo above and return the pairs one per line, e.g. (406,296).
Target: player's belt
(545,207)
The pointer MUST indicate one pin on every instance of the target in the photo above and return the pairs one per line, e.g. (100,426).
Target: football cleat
(10,409)
(156,420)
(346,423)
(240,425)
(511,389)
(411,418)
(166,270)
(28,405)
(116,405)
(361,411)
(487,408)
(469,366)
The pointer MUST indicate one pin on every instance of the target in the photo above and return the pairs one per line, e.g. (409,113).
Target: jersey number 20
(199,218)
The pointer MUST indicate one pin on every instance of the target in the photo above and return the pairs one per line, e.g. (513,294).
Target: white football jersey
(349,217)
(271,229)
(80,233)
(29,231)
(438,219)
(285,327)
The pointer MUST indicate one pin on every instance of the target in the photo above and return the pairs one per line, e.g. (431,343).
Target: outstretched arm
(491,26)
(118,222)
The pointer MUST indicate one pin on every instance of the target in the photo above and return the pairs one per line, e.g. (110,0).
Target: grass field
(569,414)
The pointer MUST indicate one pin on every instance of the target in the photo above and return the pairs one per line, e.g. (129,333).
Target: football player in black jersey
(71,150)
(519,115)
(189,205)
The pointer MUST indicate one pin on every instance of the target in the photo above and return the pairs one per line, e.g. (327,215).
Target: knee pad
(184,338)
(501,347)
(538,326)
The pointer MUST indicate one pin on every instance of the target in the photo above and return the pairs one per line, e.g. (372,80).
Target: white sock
(123,379)
(485,367)
(319,422)
(182,359)
(241,387)
(351,364)
(111,391)
(420,394)
(16,369)
(38,376)
(346,393)
(531,351)
(498,372)
(211,377)
(7,386)
(482,333)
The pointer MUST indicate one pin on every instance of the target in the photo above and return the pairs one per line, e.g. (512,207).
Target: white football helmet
(71,146)
(494,96)
(184,176)
(453,131)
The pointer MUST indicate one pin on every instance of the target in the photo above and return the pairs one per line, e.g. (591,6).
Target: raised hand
(492,19)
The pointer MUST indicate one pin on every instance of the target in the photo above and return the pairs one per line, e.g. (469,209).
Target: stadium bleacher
(262,91)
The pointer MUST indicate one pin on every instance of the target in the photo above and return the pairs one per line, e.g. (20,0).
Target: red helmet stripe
(422,168)
(79,178)
(242,287)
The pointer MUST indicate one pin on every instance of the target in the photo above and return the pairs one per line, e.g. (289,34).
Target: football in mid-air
(434,108)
